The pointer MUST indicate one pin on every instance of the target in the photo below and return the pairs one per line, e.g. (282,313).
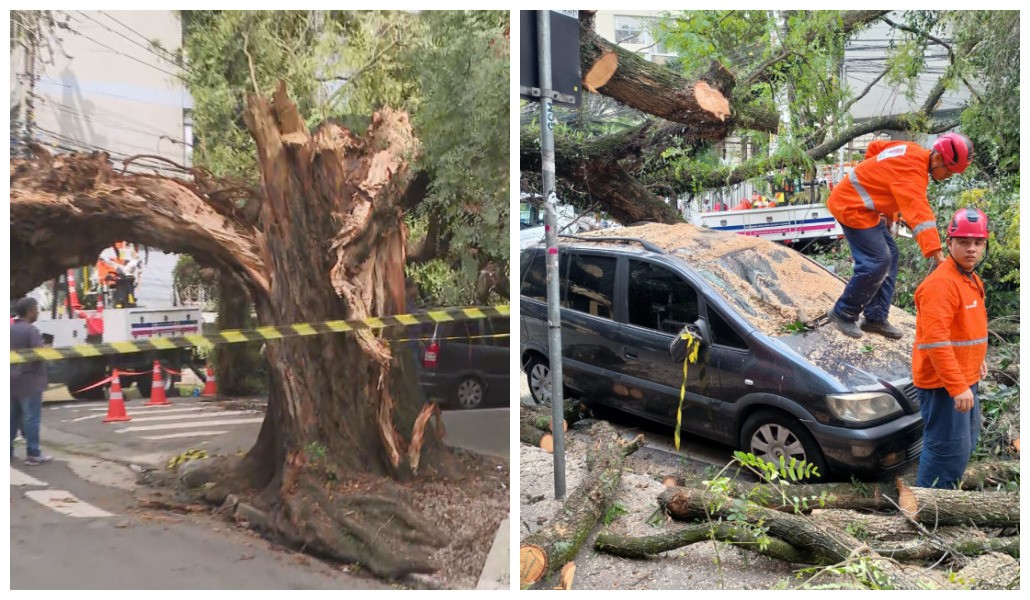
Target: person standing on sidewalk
(892,178)
(948,360)
(28,382)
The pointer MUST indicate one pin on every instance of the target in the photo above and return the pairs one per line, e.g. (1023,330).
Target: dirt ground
(700,566)
(694,567)
(469,508)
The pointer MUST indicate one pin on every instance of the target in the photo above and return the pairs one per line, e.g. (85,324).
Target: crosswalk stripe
(163,408)
(224,413)
(188,425)
(133,413)
(19,478)
(64,502)
(181,435)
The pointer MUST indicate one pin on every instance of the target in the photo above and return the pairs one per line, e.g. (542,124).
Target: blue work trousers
(871,289)
(949,438)
(26,414)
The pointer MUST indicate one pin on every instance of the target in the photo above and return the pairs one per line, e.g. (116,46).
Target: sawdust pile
(772,285)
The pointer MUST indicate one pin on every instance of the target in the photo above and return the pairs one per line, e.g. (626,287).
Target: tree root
(379,532)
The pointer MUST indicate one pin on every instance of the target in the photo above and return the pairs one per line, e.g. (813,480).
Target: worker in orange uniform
(892,178)
(948,360)
(116,269)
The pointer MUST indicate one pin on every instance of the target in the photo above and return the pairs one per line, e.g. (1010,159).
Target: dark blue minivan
(847,406)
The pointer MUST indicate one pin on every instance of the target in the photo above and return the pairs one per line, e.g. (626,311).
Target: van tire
(537,368)
(785,434)
(469,393)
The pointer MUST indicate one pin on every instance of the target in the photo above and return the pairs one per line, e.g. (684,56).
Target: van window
(659,298)
(534,278)
(591,285)
(723,333)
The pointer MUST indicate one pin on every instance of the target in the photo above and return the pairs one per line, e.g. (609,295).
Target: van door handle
(629,352)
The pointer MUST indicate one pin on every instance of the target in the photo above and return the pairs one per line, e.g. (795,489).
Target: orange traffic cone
(116,405)
(211,385)
(157,388)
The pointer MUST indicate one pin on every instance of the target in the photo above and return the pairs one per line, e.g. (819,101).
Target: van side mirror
(678,346)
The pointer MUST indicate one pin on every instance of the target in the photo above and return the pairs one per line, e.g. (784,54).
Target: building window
(629,30)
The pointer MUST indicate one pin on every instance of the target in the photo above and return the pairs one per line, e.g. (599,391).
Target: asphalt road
(73,525)
(102,543)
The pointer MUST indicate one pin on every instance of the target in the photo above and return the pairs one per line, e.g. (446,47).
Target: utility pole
(547,122)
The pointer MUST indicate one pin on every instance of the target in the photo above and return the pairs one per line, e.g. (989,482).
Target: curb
(496,573)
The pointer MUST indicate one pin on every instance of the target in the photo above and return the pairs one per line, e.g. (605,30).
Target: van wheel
(538,375)
(470,392)
(770,435)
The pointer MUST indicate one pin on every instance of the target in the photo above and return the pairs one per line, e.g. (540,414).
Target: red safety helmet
(956,149)
(968,223)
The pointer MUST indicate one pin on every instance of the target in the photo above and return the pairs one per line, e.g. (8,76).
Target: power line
(120,125)
(131,41)
(142,62)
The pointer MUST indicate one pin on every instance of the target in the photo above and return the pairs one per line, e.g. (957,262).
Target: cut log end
(669,482)
(568,574)
(601,72)
(547,442)
(564,425)
(712,100)
(532,564)
(906,500)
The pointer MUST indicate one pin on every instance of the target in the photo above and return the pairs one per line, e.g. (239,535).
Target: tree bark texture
(959,542)
(652,88)
(935,507)
(546,550)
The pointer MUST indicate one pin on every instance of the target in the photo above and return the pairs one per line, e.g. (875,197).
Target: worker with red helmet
(948,358)
(892,179)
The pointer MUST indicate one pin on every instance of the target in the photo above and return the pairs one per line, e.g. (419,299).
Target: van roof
(775,287)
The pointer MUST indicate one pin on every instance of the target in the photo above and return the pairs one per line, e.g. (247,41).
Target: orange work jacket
(951,330)
(892,178)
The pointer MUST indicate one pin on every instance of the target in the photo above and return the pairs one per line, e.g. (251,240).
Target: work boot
(881,327)
(848,328)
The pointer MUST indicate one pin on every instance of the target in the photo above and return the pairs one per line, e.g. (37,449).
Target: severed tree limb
(550,548)
(650,545)
(959,542)
(935,507)
(827,545)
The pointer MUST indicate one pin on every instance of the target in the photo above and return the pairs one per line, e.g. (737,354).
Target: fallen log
(935,507)
(987,474)
(650,545)
(967,543)
(827,545)
(545,551)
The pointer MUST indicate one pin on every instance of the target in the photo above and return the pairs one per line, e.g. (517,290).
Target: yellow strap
(693,346)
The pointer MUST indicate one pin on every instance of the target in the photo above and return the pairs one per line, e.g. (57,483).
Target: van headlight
(863,406)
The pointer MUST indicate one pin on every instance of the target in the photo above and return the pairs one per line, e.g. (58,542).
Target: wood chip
(906,500)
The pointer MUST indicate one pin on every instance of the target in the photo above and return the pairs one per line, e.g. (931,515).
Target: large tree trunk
(334,240)
(547,550)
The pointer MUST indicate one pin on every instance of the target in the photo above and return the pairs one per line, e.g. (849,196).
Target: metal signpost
(547,94)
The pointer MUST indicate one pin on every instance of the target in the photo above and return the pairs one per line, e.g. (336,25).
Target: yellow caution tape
(693,345)
(236,336)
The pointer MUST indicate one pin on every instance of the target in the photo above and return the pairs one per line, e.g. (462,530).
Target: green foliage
(862,572)
(315,451)
(999,410)
(448,69)
(614,511)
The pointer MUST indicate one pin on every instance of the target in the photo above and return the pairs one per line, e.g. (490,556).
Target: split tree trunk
(548,549)
(339,405)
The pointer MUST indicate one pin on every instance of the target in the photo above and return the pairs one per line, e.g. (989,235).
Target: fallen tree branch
(548,549)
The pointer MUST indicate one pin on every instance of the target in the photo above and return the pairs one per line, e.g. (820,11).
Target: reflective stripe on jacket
(892,178)
(951,330)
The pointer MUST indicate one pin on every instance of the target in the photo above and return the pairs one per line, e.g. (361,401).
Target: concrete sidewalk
(496,573)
